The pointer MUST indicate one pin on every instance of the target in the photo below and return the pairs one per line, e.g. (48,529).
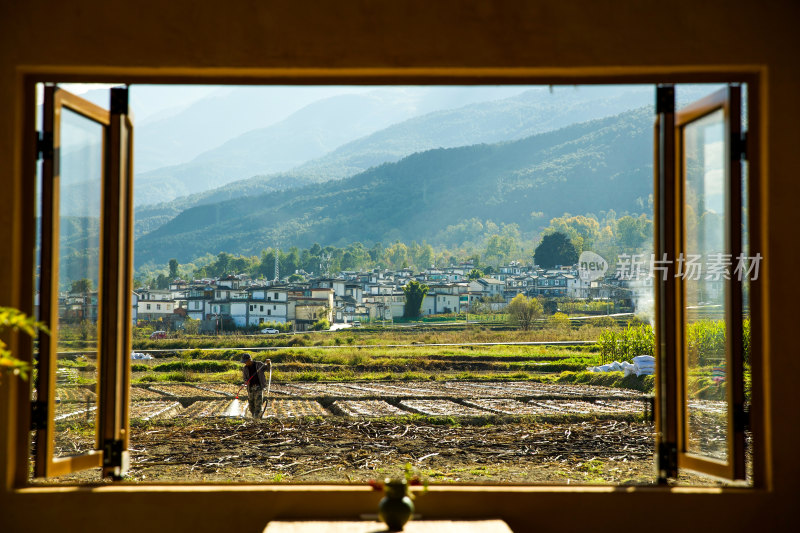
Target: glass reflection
(705,269)
(81,164)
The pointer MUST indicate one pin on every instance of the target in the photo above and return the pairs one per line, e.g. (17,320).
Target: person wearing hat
(253,377)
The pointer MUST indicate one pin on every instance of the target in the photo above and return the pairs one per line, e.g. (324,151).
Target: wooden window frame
(344,501)
(115,284)
(726,100)
(47,465)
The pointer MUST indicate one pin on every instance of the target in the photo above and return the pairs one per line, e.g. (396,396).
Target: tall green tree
(162,281)
(475,274)
(633,232)
(191,326)
(173,268)
(81,286)
(555,249)
(220,267)
(424,257)
(415,292)
(583,231)
(522,311)
(266,267)
(376,253)
(397,255)
(289,262)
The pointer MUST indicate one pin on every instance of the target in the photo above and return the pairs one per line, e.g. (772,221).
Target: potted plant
(397,506)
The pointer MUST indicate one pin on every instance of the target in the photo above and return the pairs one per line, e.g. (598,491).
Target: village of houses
(236,301)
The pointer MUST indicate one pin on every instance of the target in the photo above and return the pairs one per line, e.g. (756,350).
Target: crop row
(366,408)
(448,389)
(153,410)
(184,391)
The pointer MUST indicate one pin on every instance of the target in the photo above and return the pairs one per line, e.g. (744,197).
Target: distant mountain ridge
(534,111)
(277,146)
(587,167)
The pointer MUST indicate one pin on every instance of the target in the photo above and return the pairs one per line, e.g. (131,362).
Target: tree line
(562,241)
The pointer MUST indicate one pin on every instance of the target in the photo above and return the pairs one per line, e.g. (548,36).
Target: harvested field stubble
(440,408)
(294,409)
(338,450)
(74,393)
(75,410)
(141,393)
(200,445)
(212,408)
(185,391)
(368,408)
(155,410)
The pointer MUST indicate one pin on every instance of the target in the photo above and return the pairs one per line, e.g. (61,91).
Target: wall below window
(253,40)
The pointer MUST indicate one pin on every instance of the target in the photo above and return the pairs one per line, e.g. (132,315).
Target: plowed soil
(328,433)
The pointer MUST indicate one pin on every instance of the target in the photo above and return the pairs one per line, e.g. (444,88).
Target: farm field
(485,414)
(341,449)
(450,431)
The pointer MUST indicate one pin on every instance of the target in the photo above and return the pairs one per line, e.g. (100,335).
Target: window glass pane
(81,163)
(703,267)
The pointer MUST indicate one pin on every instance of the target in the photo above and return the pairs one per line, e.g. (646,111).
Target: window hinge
(116,459)
(665,99)
(38,415)
(119,100)
(741,419)
(741,147)
(112,453)
(667,461)
(44,145)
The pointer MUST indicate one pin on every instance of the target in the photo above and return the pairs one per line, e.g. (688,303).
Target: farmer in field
(253,377)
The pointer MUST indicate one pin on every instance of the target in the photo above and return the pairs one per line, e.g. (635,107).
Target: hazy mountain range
(534,111)
(243,168)
(282,140)
(601,164)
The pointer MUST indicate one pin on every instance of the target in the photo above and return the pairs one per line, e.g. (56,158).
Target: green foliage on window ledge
(13,319)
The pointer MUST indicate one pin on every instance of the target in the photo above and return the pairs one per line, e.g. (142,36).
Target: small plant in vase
(397,505)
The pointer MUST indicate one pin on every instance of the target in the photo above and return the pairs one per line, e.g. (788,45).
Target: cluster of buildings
(236,301)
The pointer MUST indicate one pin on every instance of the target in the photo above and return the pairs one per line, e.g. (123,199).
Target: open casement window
(699,213)
(85,280)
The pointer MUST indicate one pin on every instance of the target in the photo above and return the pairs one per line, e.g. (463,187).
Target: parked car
(158,335)
(356,323)
(270,331)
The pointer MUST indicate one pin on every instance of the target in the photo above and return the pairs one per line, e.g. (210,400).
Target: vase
(396,507)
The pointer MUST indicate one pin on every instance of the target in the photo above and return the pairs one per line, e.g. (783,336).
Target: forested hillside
(584,168)
(277,145)
(535,111)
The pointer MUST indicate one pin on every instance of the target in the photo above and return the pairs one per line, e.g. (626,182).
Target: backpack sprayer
(269,382)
